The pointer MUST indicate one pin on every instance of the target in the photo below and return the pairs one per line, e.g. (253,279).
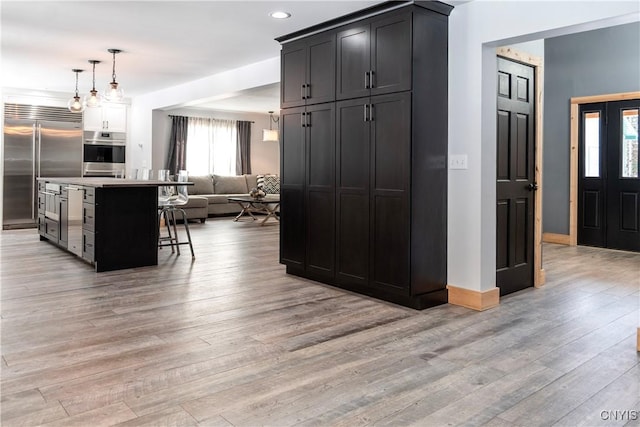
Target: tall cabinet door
(352,191)
(292,183)
(390,119)
(391,54)
(320,189)
(353,62)
(293,70)
(321,69)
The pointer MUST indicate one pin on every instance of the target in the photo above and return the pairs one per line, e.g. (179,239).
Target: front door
(609,183)
(515,176)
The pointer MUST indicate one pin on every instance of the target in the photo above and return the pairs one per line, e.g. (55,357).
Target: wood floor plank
(231,339)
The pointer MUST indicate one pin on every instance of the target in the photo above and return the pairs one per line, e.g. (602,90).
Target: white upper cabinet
(108,117)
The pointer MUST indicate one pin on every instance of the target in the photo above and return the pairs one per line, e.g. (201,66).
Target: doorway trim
(538,64)
(573,162)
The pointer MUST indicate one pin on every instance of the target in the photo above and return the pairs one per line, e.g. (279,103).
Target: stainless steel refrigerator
(38,142)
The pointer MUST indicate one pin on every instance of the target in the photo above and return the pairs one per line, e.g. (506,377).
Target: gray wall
(590,63)
(265,156)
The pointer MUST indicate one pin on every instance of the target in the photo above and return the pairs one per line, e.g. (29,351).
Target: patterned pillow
(271,184)
(260,180)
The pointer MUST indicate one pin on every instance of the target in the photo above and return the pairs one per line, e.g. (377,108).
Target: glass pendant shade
(113,92)
(93,99)
(75,104)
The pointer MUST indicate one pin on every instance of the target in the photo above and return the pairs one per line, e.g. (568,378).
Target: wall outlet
(458,161)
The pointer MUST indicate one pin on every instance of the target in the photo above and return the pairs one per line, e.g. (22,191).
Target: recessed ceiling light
(279,14)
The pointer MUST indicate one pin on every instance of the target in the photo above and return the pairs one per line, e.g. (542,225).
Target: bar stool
(169,203)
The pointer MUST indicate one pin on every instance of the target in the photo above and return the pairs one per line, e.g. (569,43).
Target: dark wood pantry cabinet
(364,152)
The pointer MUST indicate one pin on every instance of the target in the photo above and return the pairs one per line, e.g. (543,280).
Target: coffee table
(266,205)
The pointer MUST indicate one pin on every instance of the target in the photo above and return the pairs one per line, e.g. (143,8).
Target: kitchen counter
(110,223)
(110,182)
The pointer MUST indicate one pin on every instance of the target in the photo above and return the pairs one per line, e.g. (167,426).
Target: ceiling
(163,43)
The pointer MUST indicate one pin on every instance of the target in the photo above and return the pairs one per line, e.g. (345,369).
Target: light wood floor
(230,339)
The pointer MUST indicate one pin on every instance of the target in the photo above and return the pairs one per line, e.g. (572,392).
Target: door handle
(366,80)
(371,81)
(302,120)
(532,187)
(366,112)
(303,92)
(308,90)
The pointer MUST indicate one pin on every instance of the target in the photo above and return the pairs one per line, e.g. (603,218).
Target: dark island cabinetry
(112,224)
(364,176)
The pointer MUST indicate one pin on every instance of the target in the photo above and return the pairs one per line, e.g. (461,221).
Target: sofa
(209,193)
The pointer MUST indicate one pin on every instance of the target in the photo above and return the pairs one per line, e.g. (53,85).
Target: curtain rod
(200,117)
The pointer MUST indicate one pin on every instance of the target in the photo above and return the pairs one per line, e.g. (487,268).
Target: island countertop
(109,182)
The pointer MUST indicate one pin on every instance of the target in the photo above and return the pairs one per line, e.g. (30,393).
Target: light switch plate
(458,161)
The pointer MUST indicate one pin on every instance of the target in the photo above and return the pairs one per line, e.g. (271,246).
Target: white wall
(217,86)
(475,30)
(265,156)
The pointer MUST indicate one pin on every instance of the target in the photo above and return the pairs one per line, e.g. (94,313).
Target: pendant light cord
(77,84)
(94,75)
(113,74)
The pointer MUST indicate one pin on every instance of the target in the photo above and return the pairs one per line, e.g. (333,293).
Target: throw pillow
(260,181)
(271,184)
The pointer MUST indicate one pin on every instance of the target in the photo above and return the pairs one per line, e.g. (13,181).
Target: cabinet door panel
(292,230)
(293,75)
(292,147)
(391,136)
(320,150)
(391,54)
(292,183)
(320,145)
(354,61)
(391,154)
(390,258)
(353,238)
(320,232)
(352,189)
(353,145)
(115,117)
(321,66)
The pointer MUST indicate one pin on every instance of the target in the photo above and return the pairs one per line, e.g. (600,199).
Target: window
(592,145)
(211,146)
(629,144)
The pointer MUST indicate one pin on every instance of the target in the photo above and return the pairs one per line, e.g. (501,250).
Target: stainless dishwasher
(75,195)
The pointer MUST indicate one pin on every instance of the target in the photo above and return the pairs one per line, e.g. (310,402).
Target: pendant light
(93,99)
(76,105)
(270,135)
(113,92)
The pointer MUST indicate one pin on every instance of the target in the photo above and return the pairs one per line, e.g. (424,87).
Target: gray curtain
(243,151)
(177,145)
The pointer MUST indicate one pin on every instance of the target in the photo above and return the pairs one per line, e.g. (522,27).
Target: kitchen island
(108,222)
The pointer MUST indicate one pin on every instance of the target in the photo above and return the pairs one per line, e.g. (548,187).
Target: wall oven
(103,154)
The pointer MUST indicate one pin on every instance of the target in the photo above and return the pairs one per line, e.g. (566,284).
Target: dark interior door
(515,176)
(623,181)
(608,184)
(592,172)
